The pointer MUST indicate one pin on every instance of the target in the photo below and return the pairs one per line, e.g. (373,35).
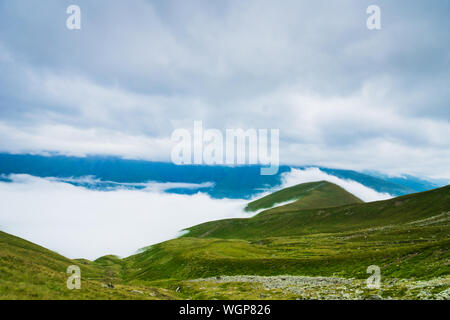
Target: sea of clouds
(79,222)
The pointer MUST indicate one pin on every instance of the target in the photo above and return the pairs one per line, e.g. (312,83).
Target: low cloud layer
(79,222)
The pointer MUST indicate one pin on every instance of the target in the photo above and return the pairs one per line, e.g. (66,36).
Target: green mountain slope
(320,194)
(408,237)
(29,271)
(344,254)
(326,220)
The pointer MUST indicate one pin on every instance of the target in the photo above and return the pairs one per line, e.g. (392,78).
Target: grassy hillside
(327,220)
(320,194)
(344,255)
(28,271)
(407,237)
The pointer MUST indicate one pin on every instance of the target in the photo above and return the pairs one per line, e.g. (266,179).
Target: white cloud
(341,95)
(297,176)
(73,141)
(325,131)
(79,222)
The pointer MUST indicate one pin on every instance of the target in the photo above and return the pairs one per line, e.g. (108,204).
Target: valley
(316,247)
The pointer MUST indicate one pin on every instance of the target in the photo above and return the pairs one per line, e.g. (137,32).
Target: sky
(69,219)
(341,95)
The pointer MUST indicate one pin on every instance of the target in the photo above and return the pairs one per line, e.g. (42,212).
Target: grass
(28,271)
(407,237)
(342,254)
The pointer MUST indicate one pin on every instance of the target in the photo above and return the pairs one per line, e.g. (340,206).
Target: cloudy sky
(341,95)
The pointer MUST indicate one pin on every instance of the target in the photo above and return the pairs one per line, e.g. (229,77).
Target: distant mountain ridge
(240,182)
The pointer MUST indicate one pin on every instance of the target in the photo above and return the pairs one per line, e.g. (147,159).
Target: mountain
(407,237)
(240,182)
(315,252)
(29,271)
(293,222)
(319,194)
(386,184)
(411,182)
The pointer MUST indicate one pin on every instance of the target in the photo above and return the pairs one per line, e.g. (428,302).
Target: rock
(374,297)
(136,291)
(423,295)
(444,295)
